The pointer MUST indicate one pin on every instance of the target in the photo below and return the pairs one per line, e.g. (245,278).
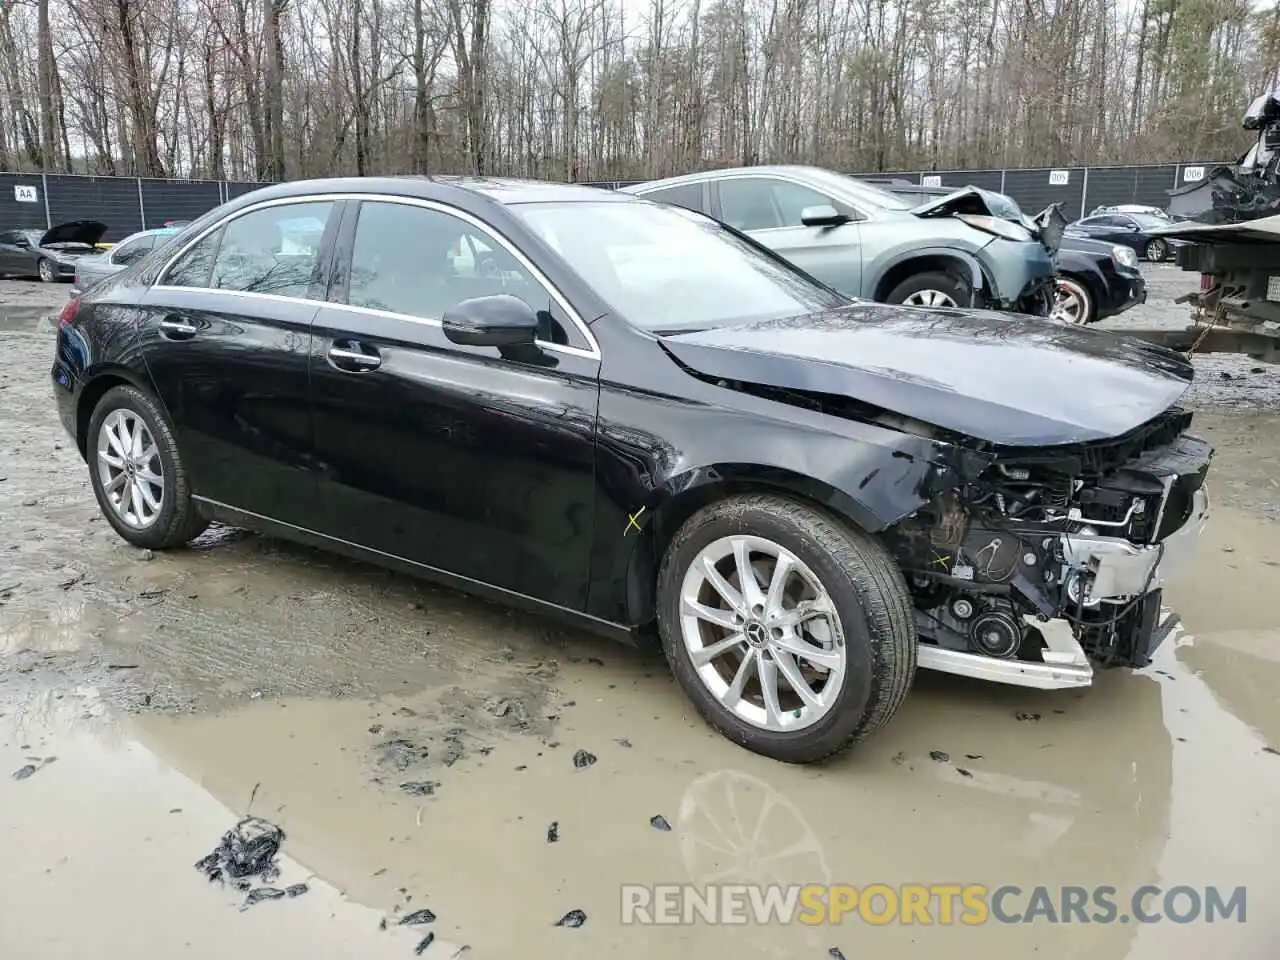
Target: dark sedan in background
(1132,230)
(49,254)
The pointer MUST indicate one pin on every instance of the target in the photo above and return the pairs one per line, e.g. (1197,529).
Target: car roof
(502,190)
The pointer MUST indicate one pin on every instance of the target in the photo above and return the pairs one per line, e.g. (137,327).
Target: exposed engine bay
(1053,558)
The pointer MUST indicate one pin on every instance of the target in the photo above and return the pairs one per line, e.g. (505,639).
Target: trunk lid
(86,232)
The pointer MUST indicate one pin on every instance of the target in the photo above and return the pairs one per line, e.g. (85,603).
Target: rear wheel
(931,289)
(47,273)
(792,634)
(137,474)
(1157,250)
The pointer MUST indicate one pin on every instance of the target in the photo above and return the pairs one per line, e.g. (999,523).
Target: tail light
(68,313)
(1206,281)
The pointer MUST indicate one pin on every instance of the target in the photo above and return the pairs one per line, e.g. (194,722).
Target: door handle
(353,361)
(175,328)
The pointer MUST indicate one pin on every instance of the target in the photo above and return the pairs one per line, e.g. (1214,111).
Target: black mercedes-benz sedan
(634,417)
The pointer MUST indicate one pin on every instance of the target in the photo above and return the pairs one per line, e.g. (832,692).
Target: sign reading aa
(1192,174)
(1059,178)
(25,194)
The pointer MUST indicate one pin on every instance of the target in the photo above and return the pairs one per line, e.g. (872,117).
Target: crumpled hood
(87,232)
(1003,378)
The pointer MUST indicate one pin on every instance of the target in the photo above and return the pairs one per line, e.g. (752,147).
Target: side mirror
(496,321)
(823,215)
(22,242)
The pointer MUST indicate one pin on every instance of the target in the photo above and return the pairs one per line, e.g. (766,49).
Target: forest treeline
(619,89)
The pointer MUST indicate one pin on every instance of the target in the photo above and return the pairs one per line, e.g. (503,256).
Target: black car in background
(1095,280)
(49,254)
(630,416)
(1132,230)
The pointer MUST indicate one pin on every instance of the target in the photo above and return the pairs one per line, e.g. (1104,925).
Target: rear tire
(130,448)
(46,271)
(931,289)
(1157,250)
(869,641)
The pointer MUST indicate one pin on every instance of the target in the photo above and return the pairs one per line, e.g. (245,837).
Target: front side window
(273,250)
(666,269)
(757,203)
(420,262)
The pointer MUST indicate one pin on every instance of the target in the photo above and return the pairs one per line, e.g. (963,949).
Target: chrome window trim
(593,353)
(717,177)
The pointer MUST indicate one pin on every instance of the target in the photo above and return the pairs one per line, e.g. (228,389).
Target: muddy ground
(415,745)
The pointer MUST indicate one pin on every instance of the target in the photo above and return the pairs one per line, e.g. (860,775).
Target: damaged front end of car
(1049,561)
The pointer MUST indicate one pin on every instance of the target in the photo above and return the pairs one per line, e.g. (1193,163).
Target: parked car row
(646,421)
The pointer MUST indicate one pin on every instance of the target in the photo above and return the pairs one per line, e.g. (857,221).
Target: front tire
(815,654)
(137,473)
(46,271)
(931,289)
(1072,302)
(1157,250)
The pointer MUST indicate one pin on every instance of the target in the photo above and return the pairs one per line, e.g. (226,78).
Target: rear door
(769,209)
(13,258)
(455,457)
(226,338)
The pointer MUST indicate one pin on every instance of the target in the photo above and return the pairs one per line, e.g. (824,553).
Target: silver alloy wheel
(1157,251)
(763,633)
(1070,302)
(929,298)
(46,271)
(129,468)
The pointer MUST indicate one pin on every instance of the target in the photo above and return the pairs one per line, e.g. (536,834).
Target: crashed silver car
(952,251)
(49,254)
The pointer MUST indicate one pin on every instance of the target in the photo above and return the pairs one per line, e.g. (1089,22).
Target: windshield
(666,269)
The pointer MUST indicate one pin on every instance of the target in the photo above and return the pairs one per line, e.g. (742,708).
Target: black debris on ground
(835,954)
(623,742)
(553,831)
(247,850)
(939,757)
(401,753)
(595,661)
(23,772)
(423,944)
(574,918)
(1027,716)
(963,772)
(419,788)
(1271,750)
(259,894)
(296,890)
(659,822)
(417,918)
(376,729)
(582,759)
(973,756)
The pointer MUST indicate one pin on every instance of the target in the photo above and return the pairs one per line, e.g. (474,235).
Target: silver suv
(869,243)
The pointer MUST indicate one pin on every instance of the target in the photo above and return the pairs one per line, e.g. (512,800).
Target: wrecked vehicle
(1093,280)
(49,254)
(631,416)
(866,242)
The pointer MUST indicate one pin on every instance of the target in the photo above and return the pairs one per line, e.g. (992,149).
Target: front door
(454,457)
(226,337)
(769,209)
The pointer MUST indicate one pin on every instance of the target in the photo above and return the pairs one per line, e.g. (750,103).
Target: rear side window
(274,250)
(131,251)
(684,195)
(195,267)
